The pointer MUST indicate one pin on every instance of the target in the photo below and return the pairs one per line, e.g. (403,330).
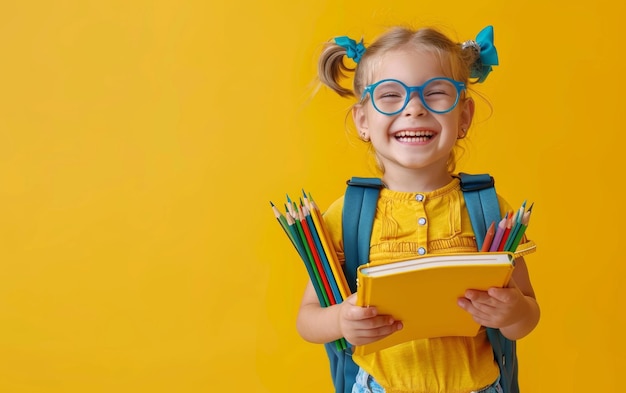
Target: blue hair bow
(488,54)
(353,50)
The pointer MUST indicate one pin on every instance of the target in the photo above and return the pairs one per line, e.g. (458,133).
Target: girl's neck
(416,180)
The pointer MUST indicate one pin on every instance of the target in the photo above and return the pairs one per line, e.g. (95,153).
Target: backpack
(358,213)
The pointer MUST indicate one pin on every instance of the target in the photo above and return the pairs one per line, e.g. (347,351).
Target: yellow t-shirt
(408,224)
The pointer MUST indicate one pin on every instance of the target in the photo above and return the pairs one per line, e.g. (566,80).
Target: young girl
(413,107)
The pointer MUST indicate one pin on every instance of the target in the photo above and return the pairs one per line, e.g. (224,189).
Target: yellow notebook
(423,293)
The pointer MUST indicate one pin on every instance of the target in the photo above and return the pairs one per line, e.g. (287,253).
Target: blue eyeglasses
(390,96)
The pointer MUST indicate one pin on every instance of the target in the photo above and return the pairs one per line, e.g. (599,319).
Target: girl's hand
(363,325)
(496,307)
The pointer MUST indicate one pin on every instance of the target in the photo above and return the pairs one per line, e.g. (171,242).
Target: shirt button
(421,251)
(421,221)
(419,197)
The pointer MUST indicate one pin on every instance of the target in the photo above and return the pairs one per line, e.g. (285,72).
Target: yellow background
(141,143)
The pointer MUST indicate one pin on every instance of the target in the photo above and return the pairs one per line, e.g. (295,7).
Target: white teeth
(409,136)
(414,136)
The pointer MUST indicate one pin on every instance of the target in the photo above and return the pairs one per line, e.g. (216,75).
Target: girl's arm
(316,324)
(526,308)
(514,310)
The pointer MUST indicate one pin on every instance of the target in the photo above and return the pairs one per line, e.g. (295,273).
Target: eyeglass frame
(369,89)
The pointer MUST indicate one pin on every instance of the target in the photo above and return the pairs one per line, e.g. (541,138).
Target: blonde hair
(455,60)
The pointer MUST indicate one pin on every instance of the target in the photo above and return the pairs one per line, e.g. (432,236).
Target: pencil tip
(531,207)
(271,204)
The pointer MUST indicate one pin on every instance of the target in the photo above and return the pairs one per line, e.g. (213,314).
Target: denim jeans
(365,383)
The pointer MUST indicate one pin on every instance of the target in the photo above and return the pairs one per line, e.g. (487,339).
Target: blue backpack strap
(505,354)
(483,207)
(359,208)
(482,203)
(343,370)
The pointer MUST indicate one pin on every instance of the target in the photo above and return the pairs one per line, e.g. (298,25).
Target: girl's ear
(467,114)
(360,121)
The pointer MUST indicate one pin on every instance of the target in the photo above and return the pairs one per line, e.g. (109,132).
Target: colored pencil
(517,222)
(495,243)
(324,301)
(293,230)
(282,220)
(316,257)
(518,238)
(327,246)
(488,237)
(507,231)
(305,227)
(328,273)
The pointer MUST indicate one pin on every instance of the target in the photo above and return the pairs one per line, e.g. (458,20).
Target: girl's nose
(415,106)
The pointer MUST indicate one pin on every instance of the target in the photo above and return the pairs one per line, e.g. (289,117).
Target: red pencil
(507,231)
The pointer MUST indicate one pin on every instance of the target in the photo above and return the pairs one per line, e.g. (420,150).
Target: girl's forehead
(409,65)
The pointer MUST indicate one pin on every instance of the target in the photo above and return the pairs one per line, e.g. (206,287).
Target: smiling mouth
(414,136)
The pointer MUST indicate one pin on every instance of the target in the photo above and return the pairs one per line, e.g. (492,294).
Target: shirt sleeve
(332,220)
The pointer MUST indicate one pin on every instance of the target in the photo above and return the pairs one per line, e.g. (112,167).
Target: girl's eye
(439,88)
(390,94)
(435,92)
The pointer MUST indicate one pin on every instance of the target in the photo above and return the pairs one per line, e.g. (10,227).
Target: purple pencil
(498,236)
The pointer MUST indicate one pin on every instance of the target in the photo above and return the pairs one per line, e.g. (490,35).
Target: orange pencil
(489,237)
